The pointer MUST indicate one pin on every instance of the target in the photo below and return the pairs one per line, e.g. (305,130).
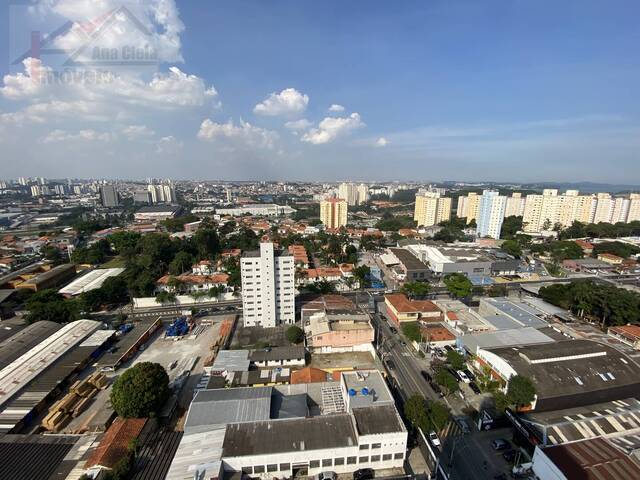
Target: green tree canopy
(294,334)
(416,289)
(140,391)
(446,380)
(521,391)
(455,359)
(512,247)
(411,330)
(50,305)
(181,263)
(458,285)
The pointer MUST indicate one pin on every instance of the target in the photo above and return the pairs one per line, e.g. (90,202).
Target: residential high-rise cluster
(431,209)
(549,209)
(491,213)
(333,212)
(268,297)
(109,196)
(162,192)
(353,194)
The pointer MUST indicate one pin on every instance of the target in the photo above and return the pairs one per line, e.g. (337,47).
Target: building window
(386,456)
(285,467)
(363,460)
(364,447)
(314,464)
(375,458)
(398,456)
(272,467)
(376,445)
(327,462)
(258,469)
(351,460)
(247,470)
(338,461)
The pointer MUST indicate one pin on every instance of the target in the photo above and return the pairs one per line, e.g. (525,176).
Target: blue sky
(430,90)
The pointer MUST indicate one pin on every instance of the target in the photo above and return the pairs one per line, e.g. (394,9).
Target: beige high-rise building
(363,193)
(604,208)
(515,205)
(461,210)
(431,209)
(333,213)
(620,210)
(634,208)
(348,192)
(473,206)
(585,209)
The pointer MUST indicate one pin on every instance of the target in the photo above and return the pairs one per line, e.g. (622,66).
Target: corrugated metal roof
(24,340)
(31,457)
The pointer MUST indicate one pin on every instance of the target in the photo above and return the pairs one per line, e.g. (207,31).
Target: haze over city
(487,91)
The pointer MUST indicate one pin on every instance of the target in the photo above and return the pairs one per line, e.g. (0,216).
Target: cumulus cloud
(243,134)
(137,131)
(333,127)
(88,135)
(168,145)
(288,102)
(298,125)
(382,142)
(151,26)
(336,108)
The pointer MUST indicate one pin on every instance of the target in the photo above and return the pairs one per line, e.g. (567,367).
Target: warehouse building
(29,381)
(289,430)
(567,373)
(50,279)
(91,280)
(468,260)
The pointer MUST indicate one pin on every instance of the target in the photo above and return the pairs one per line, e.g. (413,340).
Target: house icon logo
(97,42)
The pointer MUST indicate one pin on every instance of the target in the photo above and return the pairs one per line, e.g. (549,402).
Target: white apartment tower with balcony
(491,214)
(268,287)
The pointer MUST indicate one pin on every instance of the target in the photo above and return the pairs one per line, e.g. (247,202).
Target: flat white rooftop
(90,281)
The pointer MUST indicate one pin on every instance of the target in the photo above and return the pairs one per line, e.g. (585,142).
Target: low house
(611,259)
(114,446)
(310,375)
(437,335)
(192,283)
(587,247)
(401,309)
(629,334)
(279,357)
(339,331)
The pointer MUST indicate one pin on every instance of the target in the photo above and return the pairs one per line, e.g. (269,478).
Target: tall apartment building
(633,214)
(491,214)
(109,196)
(431,209)
(333,212)
(363,193)
(515,205)
(470,206)
(162,193)
(268,287)
(348,192)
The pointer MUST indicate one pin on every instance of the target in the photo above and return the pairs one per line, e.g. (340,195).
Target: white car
(433,438)
(463,376)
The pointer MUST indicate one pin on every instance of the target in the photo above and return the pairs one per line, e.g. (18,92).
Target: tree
(50,305)
(497,291)
(415,411)
(510,227)
(458,285)
(446,380)
(521,391)
(512,247)
(140,391)
(500,400)
(361,273)
(411,330)
(439,415)
(165,297)
(114,290)
(181,263)
(620,249)
(294,334)
(416,289)
(52,254)
(207,242)
(455,359)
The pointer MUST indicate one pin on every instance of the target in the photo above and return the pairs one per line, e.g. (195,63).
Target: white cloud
(88,135)
(144,25)
(289,101)
(333,127)
(336,108)
(168,145)
(382,142)
(243,134)
(298,125)
(137,131)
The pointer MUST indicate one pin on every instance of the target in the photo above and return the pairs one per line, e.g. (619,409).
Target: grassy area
(115,262)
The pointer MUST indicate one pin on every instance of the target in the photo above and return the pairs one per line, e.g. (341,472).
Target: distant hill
(583,187)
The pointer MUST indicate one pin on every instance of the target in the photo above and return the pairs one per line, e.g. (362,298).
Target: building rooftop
(24,340)
(231,361)
(410,261)
(593,459)
(376,393)
(31,457)
(223,406)
(277,354)
(504,338)
(158,208)
(404,305)
(309,375)
(296,435)
(115,443)
(90,281)
(378,420)
(576,371)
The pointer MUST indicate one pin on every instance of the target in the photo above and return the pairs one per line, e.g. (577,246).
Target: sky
(425,90)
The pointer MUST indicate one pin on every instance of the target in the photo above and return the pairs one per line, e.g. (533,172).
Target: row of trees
(600,230)
(604,303)
(425,415)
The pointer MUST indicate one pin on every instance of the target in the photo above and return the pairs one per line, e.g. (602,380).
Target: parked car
(469,374)
(510,455)
(463,376)
(326,476)
(500,444)
(364,474)
(433,438)
(426,376)
(461,422)
(436,388)
(394,330)
(403,343)
(473,386)
(391,365)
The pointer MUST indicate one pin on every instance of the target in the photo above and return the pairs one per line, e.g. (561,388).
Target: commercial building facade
(268,287)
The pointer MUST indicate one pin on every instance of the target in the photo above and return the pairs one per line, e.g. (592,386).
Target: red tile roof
(402,304)
(308,375)
(115,444)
